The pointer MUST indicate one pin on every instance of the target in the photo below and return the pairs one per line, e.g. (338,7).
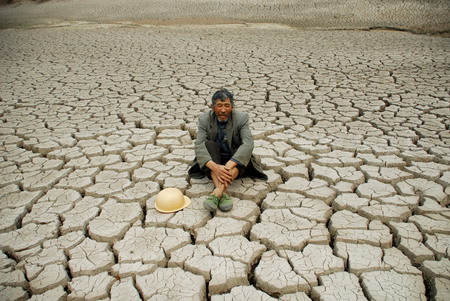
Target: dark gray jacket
(239,138)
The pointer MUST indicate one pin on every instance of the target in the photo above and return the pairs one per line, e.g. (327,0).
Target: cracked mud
(352,128)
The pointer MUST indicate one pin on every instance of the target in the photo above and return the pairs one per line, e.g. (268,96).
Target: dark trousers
(214,151)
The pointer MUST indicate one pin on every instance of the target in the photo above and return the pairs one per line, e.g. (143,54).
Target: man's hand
(230,165)
(222,172)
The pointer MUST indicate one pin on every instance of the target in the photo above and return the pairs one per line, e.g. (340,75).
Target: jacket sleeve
(244,152)
(201,153)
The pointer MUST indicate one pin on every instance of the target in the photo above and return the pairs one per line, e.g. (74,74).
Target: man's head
(222,104)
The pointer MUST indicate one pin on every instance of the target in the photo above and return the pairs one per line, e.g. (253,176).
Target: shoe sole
(225,209)
(209,207)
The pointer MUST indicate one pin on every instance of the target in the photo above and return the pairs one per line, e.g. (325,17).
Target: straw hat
(171,200)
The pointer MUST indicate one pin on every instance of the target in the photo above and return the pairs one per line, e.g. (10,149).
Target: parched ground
(419,16)
(352,128)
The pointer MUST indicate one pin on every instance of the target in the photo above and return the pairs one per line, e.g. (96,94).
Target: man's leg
(226,203)
(222,187)
(212,202)
(214,151)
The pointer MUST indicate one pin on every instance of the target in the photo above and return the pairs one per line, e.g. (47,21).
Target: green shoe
(225,203)
(211,203)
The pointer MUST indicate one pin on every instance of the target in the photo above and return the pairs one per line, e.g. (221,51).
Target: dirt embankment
(420,16)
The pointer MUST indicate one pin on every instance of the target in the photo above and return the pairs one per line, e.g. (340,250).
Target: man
(223,149)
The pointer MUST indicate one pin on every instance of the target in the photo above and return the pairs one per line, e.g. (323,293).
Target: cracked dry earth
(352,129)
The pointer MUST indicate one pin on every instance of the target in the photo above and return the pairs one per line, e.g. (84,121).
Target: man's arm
(231,164)
(244,152)
(201,152)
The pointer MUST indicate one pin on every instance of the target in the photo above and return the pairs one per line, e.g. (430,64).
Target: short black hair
(222,95)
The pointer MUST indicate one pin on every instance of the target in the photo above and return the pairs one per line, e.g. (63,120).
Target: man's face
(223,109)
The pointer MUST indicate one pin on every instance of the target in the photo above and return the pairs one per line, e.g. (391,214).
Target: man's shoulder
(205,116)
(240,115)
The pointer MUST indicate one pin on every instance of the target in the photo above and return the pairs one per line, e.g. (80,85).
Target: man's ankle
(217,192)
